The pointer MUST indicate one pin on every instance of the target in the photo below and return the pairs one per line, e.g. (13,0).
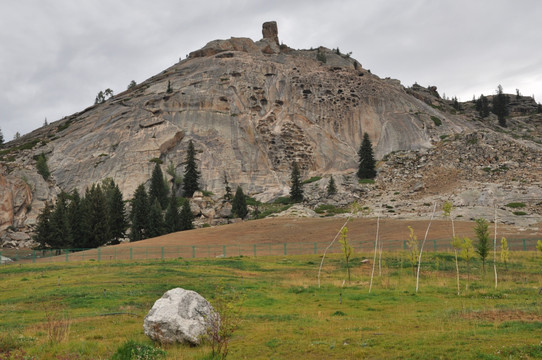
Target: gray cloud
(56,55)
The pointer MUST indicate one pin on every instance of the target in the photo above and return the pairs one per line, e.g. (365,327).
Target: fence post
(224,248)
(285,252)
(254,250)
(524,245)
(435,244)
(99,254)
(33,256)
(315,248)
(193,251)
(67,254)
(162,251)
(146,253)
(131,253)
(404,244)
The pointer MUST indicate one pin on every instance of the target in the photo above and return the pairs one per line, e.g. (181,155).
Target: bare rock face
(15,198)
(179,316)
(270,31)
(250,109)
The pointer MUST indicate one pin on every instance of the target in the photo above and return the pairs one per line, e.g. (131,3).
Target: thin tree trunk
(330,244)
(495,247)
(423,243)
(380,258)
(457,272)
(374,257)
(455,251)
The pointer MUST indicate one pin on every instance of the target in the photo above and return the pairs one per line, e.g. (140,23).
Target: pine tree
(77,220)
(44,226)
(61,236)
(1,138)
(96,209)
(296,190)
(139,214)
(116,211)
(172,221)
(156,220)
(500,102)
(366,169)
(186,216)
(239,204)
(481,229)
(331,188)
(191,173)
(482,106)
(158,188)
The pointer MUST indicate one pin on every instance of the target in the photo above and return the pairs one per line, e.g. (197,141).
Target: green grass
(285,315)
(312,179)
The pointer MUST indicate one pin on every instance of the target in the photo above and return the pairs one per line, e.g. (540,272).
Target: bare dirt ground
(301,236)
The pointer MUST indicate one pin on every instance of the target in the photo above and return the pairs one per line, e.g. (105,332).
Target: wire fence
(133,251)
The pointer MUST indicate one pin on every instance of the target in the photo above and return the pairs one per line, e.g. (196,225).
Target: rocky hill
(253,108)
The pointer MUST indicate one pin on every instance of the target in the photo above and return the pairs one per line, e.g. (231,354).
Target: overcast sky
(55,55)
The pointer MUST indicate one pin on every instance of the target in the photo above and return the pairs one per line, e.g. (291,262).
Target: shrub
(132,350)
(156,161)
(436,120)
(515,205)
(283,200)
(519,213)
(366,181)
(312,179)
(41,166)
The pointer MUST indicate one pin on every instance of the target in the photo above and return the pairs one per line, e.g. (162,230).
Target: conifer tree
(366,169)
(331,188)
(1,138)
(482,106)
(158,188)
(172,221)
(186,217)
(77,220)
(44,226)
(116,211)
(191,173)
(156,220)
(139,214)
(239,204)
(296,190)
(61,236)
(500,102)
(95,209)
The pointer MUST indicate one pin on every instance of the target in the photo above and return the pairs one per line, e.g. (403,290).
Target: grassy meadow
(87,310)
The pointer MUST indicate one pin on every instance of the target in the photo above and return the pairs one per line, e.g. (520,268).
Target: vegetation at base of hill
(99,308)
(330,210)
(74,222)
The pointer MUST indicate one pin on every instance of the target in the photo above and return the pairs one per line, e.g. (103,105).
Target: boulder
(179,316)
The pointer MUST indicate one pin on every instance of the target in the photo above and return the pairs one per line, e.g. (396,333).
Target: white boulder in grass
(179,316)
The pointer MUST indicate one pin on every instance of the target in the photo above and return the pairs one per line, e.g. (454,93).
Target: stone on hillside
(179,316)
